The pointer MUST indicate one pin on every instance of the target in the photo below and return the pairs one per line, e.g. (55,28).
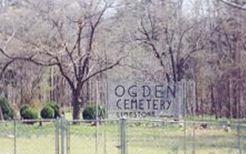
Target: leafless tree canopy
(56,50)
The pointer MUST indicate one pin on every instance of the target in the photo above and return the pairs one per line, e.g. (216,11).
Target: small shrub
(8,112)
(23,108)
(29,113)
(55,107)
(90,112)
(47,112)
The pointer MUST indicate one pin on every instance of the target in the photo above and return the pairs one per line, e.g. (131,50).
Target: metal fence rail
(121,136)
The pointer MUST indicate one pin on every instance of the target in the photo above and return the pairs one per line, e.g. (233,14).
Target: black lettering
(146,91)
(170,91)
(148,103)
(134,115)
(159,91)
(168,104)
(131,92)
(162,104)
(134,104)
(140,104)
(122,91)
(143,114)
(155,104)
(126,104)
(118,104)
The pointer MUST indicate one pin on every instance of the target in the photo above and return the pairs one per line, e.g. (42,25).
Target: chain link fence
(121,136)
(185,137)
(25,137)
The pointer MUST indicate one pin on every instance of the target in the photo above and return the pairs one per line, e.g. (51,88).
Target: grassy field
(142,138)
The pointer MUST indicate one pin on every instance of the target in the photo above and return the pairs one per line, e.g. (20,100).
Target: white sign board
(141,100)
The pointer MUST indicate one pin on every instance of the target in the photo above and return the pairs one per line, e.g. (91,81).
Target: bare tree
(66,40)
(171,38)
(235,4)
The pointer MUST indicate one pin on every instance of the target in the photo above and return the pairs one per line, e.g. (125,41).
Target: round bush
(90,112)
(23,108)
(47,112)
(55,107)
(7,111)
(29,113)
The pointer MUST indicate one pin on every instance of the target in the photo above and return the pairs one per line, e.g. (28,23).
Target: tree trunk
(173,65)
(76,105)
(213,109)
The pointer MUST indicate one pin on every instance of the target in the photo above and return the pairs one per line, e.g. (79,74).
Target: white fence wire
(121,136)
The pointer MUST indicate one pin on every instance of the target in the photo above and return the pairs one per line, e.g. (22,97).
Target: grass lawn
(142,138)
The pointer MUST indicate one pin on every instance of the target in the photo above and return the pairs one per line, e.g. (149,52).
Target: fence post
(193,139)
(68,137)
(238,138)
(123,135)
(185,136)
(96,135)
(15,136)
(57,125)
(63,135)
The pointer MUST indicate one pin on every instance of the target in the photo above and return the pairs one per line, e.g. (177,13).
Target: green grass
(142,138)
(211,118)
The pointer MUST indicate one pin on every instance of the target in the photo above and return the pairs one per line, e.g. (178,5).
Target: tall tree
(63,38)
(171,36)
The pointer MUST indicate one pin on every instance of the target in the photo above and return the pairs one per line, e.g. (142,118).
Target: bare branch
(102,12)
(182,36)
(103,70)
(234,5)
(147,40)
(70,82)
(5,67)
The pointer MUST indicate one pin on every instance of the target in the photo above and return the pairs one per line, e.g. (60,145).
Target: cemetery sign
(142,100)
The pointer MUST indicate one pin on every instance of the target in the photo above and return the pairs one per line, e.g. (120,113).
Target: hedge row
(49,111)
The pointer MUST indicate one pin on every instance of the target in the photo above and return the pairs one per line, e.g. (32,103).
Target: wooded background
(68,51)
